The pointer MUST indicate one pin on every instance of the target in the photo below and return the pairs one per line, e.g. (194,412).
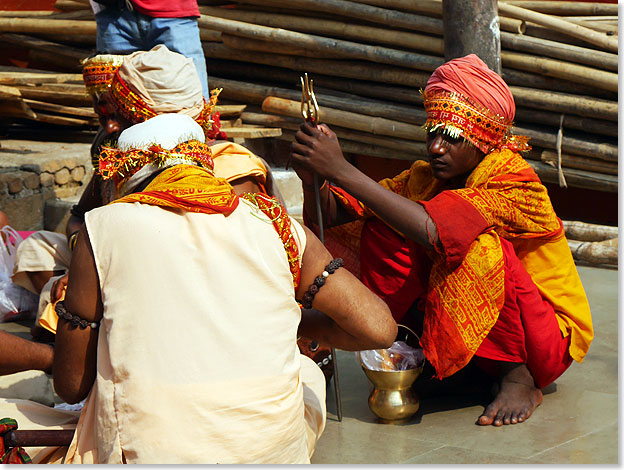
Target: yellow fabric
(233,161)
(189,188)
(49,318)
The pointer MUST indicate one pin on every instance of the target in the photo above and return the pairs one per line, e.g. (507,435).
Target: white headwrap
(166,130)
(165,80)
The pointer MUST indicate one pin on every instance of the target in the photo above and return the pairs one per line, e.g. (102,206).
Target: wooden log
(547,139)
(591,126)
(582,163)
(338,68)
(209,35)
(349,9)
(559,69)
(16,107)
(36,25)
(81,40)
(64,120)
(595,253)
(565,27)
(335,29)
(576,178)
(566,8)
(57,108)
(252,132)
(559,50)
(405,148)
(9,92)
(69,98)
(582,231)
(230,110)
(47,50)
(373,125)
(36,78)
(25,14)
(565,103)
(346,49)
(70,5)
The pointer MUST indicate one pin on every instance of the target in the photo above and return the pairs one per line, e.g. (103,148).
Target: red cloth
(167,8)
(470,77)
(12,455)
(527,330)
(395,269)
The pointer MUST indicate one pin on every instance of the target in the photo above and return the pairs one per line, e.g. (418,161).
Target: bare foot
(516,399)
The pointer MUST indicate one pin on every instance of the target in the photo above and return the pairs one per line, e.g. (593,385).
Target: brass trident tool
(311,113)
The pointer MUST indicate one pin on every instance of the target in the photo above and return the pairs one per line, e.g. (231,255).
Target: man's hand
(58,287)
(317,150)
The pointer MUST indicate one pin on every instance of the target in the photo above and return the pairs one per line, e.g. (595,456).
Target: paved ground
(576,424)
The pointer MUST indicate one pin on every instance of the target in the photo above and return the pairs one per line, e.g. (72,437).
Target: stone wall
(32,173)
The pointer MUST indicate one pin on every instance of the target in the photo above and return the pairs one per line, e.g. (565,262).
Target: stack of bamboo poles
(368,59)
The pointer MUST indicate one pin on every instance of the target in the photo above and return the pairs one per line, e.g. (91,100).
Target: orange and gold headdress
(465,98)
(98,72)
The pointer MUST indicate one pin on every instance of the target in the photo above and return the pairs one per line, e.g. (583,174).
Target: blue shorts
(124,31)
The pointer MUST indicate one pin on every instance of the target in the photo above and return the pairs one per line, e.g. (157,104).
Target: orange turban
(465,98)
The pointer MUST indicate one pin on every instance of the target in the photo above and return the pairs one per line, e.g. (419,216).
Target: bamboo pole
(559,69)
(270,47)
(558,50)
(582,231)
(407,147)
(403,95)
(592,126)
(596,253)
(596,26)
(347,49)
(533,80)
(546,139)
(541,32)
(565,103)
(355,147)
(576,178)
(373,125)
(566,8)
(349,9)
(331,28)
(565,27)
(582,163)
(338,68)
(36,25)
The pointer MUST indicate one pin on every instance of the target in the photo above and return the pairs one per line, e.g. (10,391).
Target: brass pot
(392,399)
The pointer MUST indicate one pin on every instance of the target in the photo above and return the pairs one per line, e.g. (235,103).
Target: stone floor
(576,424)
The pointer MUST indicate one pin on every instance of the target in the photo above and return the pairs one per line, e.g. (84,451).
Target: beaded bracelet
(75,320)
(319,282)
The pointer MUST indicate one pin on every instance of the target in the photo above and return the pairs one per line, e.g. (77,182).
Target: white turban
(165,80)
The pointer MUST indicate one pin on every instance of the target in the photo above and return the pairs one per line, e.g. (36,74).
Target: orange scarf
(190,188)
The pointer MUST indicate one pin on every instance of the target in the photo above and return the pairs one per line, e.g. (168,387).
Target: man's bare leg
(516,399)
(18,354)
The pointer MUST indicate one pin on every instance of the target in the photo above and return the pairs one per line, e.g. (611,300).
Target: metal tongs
(311,113)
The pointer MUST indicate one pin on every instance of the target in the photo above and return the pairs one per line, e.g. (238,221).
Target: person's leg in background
(181,35)
(118,32)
